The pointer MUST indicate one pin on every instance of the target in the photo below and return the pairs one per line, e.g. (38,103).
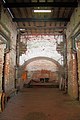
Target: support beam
(41,19)
(42,27)
(40,4)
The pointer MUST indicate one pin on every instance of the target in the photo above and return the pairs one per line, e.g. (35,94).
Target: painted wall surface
(41,65)
(36,75)
(41,68)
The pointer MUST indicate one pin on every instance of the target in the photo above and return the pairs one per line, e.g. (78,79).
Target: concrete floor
(41,104)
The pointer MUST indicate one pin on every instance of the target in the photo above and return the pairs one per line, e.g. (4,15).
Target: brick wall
(9,29)
(78,60)
(78,55)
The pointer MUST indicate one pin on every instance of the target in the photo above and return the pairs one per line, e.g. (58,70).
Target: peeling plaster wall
(41,65)
(42,45)
(10,61)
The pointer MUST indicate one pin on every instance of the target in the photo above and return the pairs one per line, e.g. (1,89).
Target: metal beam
(41,19)
(40,4)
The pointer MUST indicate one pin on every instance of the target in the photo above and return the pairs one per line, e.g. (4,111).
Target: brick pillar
(17,81)
(7,71)
(72,71)
(75,83)
(72,77)
(1,69)
(78,57)
(1,64)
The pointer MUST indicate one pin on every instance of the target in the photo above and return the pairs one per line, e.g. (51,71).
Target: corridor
(41,104)
(39,59)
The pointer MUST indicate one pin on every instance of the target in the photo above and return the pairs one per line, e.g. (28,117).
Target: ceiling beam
(40,4)
(41,19)
(42,27)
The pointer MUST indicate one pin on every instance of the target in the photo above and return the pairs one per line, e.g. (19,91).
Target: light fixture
(42,11)
(4,1)
(22,29)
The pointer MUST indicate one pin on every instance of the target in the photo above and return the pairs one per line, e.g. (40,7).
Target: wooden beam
(41,19)
(40,4)
(42,27)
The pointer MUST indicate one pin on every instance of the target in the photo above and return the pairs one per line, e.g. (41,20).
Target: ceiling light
(42,11)
(22,29)
(4,1)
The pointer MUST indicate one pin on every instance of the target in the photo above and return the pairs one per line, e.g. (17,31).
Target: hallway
(41,104)
(39,59)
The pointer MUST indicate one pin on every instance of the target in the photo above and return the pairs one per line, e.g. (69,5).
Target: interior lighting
(42,11)
(21,29)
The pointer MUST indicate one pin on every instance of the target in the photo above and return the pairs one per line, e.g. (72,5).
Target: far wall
(36,75)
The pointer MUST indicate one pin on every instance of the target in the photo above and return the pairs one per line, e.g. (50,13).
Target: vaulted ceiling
(42,46)
(41,23)
(39,65)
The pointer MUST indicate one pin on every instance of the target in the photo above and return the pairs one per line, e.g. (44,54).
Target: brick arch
(41,58)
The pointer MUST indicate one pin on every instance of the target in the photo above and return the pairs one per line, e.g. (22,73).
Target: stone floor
(41,104)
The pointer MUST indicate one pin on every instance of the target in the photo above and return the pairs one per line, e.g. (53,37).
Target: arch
(42,58)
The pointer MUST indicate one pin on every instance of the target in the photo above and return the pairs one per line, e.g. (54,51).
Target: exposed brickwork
(44,74)
(74,82)
(72,74)
(72,29)
(1,64)
(8,28)
(7,71)
(78,56)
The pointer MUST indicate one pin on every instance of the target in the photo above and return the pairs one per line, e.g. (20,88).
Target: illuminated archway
(40,58)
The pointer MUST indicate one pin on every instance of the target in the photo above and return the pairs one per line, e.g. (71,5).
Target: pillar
(1,70)
(73,82)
